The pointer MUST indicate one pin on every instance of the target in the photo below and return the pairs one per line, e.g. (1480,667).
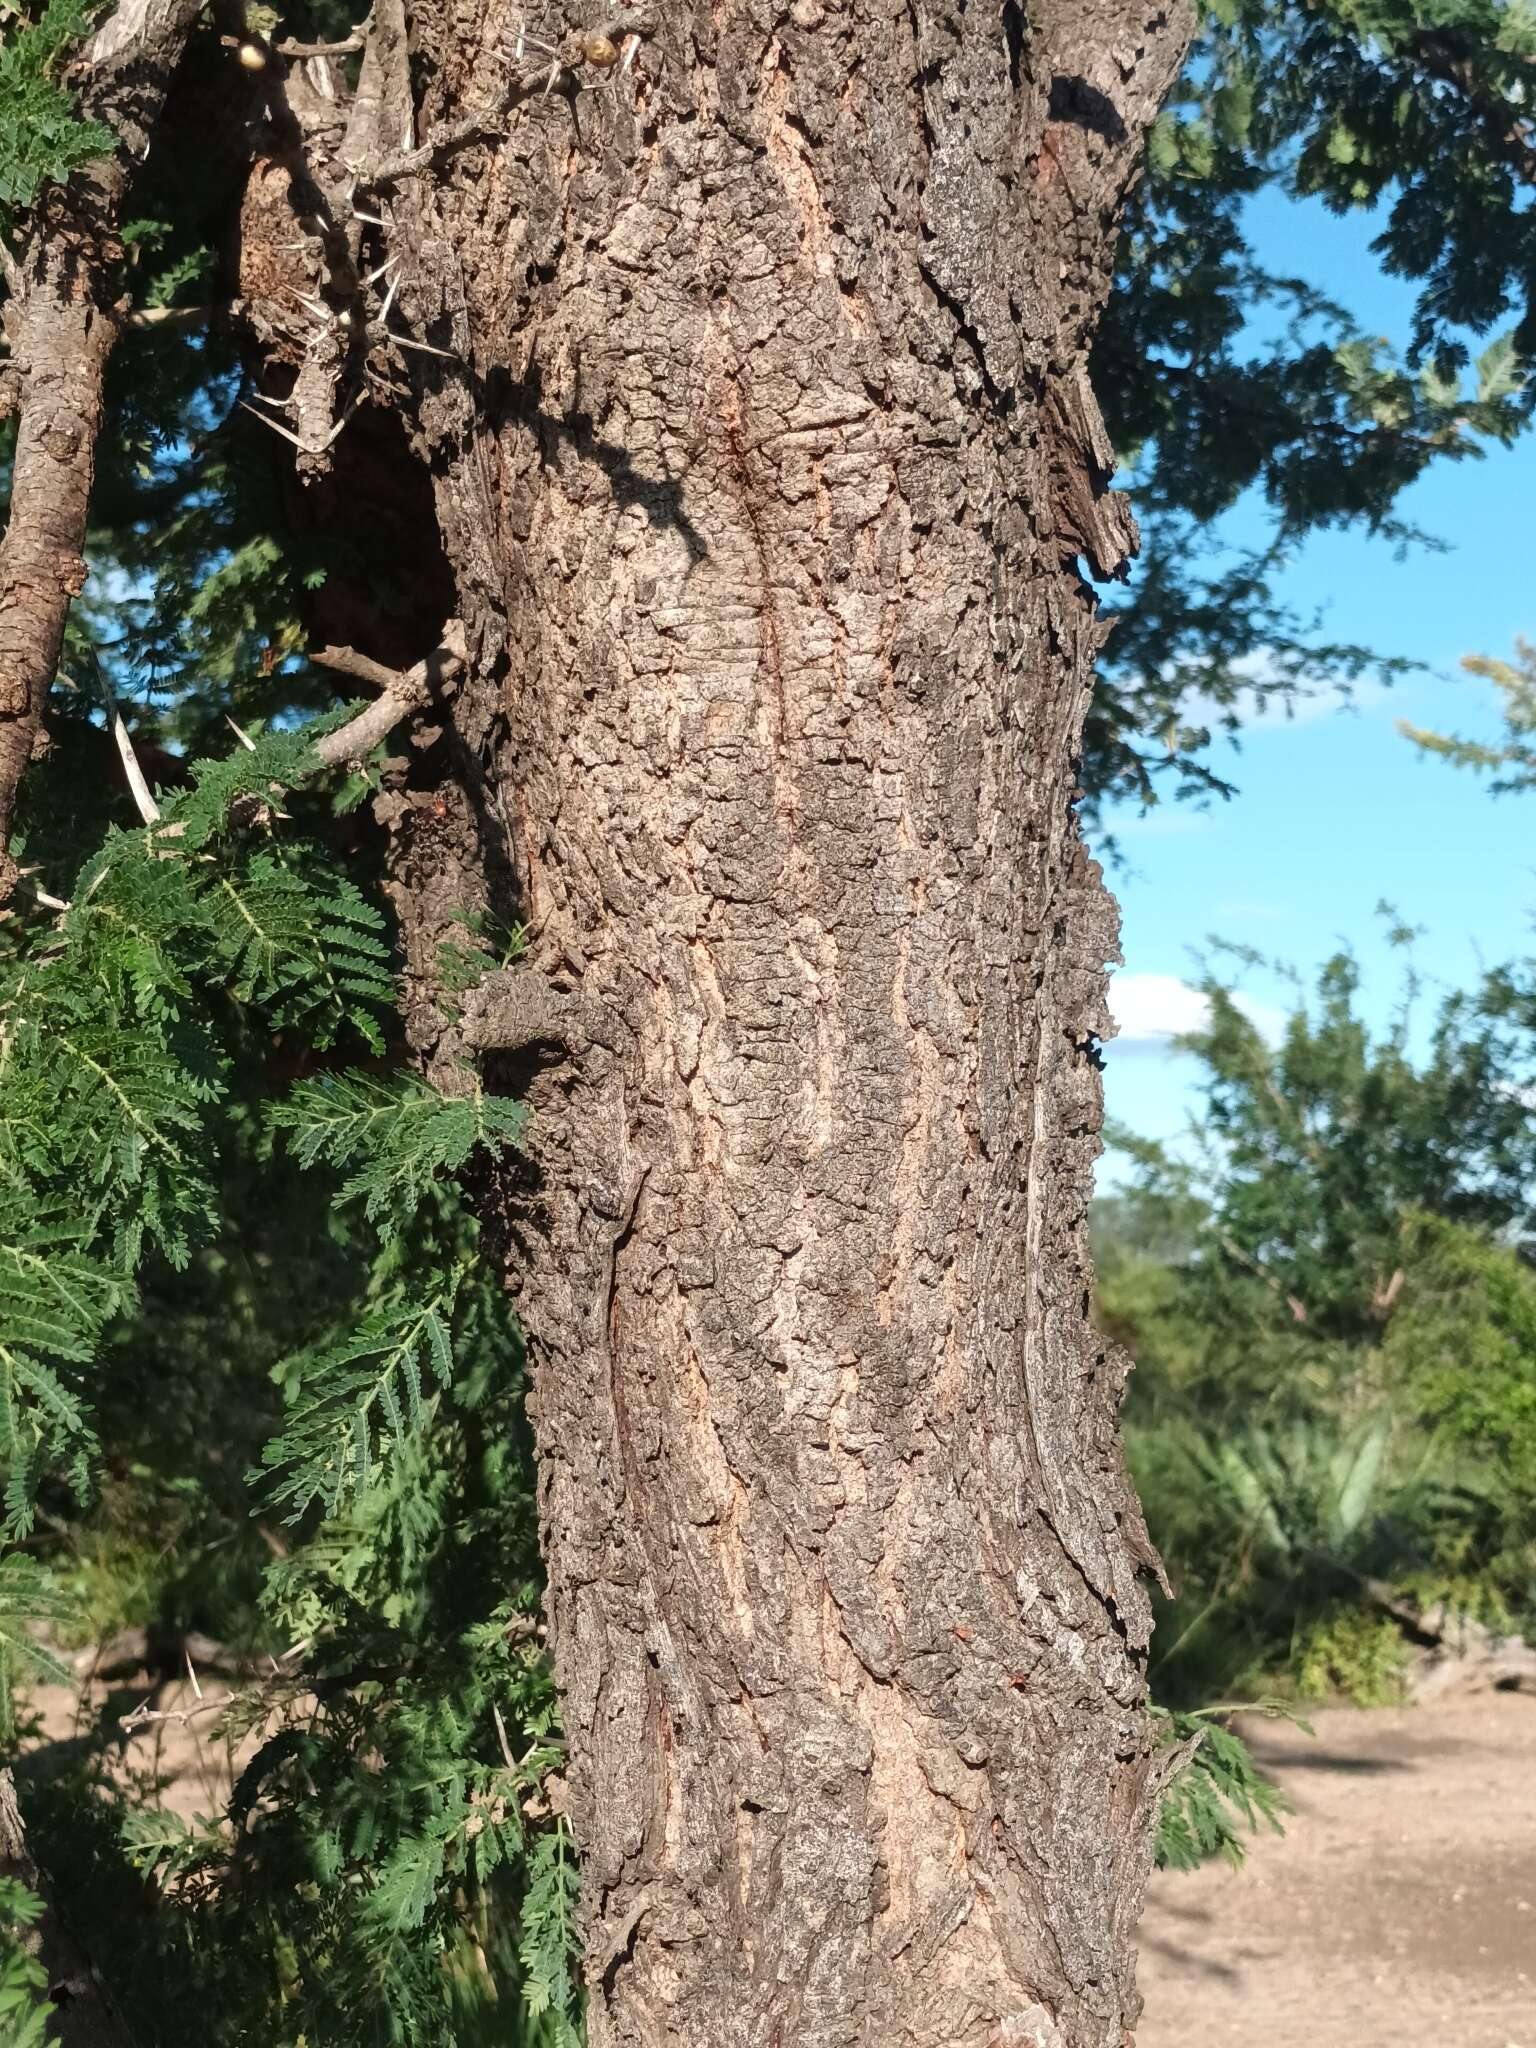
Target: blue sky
(1336,811)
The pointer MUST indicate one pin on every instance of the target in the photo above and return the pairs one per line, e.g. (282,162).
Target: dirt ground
(1399,1909)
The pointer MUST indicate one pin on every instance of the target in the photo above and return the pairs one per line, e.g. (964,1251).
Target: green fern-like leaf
(1217,1797)
(302,947)
(357,1402)
(550,1941)
(397,1134)
(28,1596)
(24,2007)
(42,137)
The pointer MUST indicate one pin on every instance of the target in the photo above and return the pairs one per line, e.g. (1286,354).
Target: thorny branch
(400,693)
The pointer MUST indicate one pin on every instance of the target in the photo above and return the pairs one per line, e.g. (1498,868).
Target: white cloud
(1275,712)
(1152,1009)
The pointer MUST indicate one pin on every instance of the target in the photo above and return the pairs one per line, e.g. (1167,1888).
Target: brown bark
(61,323)
(765,475)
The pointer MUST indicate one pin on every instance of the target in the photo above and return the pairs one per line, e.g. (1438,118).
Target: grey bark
(766,469)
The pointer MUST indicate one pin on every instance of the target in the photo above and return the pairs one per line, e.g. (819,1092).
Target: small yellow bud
(599,50)
(253,57)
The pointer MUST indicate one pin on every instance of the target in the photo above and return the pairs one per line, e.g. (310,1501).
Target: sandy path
(1399,1909)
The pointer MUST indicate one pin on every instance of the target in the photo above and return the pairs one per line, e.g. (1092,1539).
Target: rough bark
(61,321)
(766,471)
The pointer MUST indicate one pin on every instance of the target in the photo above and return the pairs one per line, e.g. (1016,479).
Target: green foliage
(382,1807)
(24,2006)
(27,1597)
(1223,381)
(333,1443)
(1461,1353)
(1352,1653)
(548,1940)
(396,1135)
(42,138)
(1216,1796)
(1334,1319)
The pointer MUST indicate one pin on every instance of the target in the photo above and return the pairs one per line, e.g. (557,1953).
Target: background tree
(1329,1297)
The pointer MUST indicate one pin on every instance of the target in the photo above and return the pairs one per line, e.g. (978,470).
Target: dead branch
(292,48)
(399,694)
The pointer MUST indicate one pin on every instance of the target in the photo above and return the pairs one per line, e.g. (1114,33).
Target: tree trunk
(60,324)
(766,474)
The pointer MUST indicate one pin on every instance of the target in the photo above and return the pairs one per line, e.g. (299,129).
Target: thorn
(267,421)
(389,296)
(196,1688)
(425,347)
(374,275)
(243,737)
(501,1737)
(331,436)
(318,307)
(144,803)
(370,219)
(631,45)
(39,893)
(552,80)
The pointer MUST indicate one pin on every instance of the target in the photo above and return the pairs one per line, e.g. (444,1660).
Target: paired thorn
(304,447)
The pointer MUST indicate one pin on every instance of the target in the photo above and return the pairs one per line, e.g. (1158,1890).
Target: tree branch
(400,694)
(62,322)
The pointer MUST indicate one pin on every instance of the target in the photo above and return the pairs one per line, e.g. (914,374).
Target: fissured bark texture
(60,324)
(766,471)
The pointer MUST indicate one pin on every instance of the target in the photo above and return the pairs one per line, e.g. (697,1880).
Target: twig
(363,666)
(400,694)
(481,127)
(291,48)
(182,316)
(143,1714)
(1234,1250)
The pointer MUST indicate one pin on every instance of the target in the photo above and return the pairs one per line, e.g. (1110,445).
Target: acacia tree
(751,386)
(687,413)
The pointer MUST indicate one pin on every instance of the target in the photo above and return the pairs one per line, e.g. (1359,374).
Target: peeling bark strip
(61,324)
(765,479)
